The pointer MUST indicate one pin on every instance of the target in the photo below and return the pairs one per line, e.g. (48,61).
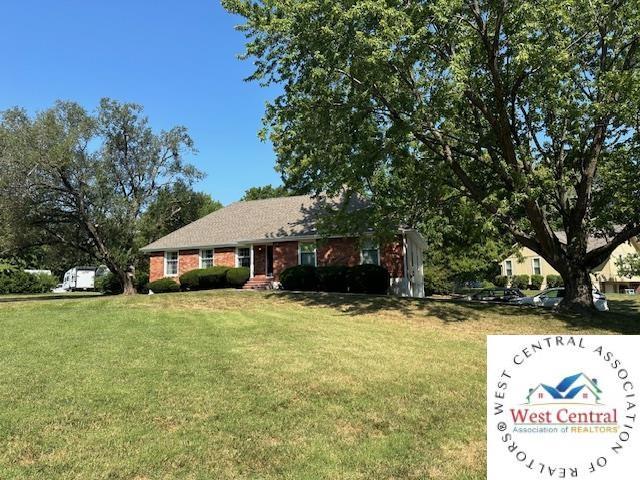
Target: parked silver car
(551,297)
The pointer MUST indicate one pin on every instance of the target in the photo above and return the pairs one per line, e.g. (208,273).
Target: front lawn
(254,385)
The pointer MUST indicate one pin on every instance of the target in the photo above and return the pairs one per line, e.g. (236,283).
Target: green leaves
(519,102)
(85,180)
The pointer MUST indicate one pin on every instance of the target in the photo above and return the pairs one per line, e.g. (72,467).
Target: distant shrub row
(371,279)
(17,281)
(524,281)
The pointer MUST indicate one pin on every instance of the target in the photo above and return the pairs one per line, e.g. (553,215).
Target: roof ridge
(308,195)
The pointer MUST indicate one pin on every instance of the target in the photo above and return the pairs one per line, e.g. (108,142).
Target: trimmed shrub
(501,281)
(333,278)
(204,279)
(487,284)
(372,279)
(520,281)
(108,284)
(164,285)
(300,277)
(215,277)
(554,281)
(237,277)
(536,281)
(190,280)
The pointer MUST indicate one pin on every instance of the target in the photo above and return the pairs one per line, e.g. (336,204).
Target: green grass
(254,385)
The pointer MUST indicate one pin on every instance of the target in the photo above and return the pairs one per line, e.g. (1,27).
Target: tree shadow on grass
(624,317)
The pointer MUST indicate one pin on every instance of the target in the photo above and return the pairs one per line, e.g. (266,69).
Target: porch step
(260,282)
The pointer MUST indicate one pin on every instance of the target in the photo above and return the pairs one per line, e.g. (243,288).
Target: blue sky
(175,57)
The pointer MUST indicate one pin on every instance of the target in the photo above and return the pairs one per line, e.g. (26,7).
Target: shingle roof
(274,218)
(593,241)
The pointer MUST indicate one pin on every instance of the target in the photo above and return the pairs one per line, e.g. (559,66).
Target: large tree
(84,181)
(173,207)
(529,108)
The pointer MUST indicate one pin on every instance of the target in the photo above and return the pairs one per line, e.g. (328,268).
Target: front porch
(260,263)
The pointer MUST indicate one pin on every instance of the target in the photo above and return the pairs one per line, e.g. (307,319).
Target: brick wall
(156,266)
(225,257)
(338,251)
(391,258)
(285,255)
(335,251)
(188,260)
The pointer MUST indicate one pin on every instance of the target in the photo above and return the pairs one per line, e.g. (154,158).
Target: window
(308,253)
(206,258)
(536,266)
(508,268)
(541,395)
(244,257)
(370,253)
(171,264)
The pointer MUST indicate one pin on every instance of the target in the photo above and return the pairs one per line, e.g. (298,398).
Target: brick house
(268,236)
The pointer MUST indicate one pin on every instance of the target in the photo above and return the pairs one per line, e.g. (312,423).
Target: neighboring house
(268,236)
(605,276)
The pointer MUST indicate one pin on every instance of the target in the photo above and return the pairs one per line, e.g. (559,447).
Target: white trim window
(307,253)
(243,257)
(369,252)
(206,258)
(536,264)
(171,264)
(508,268)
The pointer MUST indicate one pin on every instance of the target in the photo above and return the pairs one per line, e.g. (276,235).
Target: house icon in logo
(578,388)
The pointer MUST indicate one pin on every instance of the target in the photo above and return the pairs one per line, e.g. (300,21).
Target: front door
(259,260)
(269,260)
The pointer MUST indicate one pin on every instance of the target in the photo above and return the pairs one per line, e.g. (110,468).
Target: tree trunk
(578,295)
(127,283)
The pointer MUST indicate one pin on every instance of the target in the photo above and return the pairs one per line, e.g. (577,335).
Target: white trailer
(79,278)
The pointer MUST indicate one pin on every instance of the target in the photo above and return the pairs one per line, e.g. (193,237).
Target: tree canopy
(85,180)
(530,109)
(173,207)
(629,265)
(266,191)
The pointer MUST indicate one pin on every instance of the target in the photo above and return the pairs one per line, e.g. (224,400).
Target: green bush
(554,281)
(300,277)
(333,278)
(436,280)
(372,279)
(215,277)
(536,281)
(140,281)
(487,284)
(164,285)
(501,281)
(520,281)
(237,277)
(108,284)
(17,281)
(190,280)
(204,278)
